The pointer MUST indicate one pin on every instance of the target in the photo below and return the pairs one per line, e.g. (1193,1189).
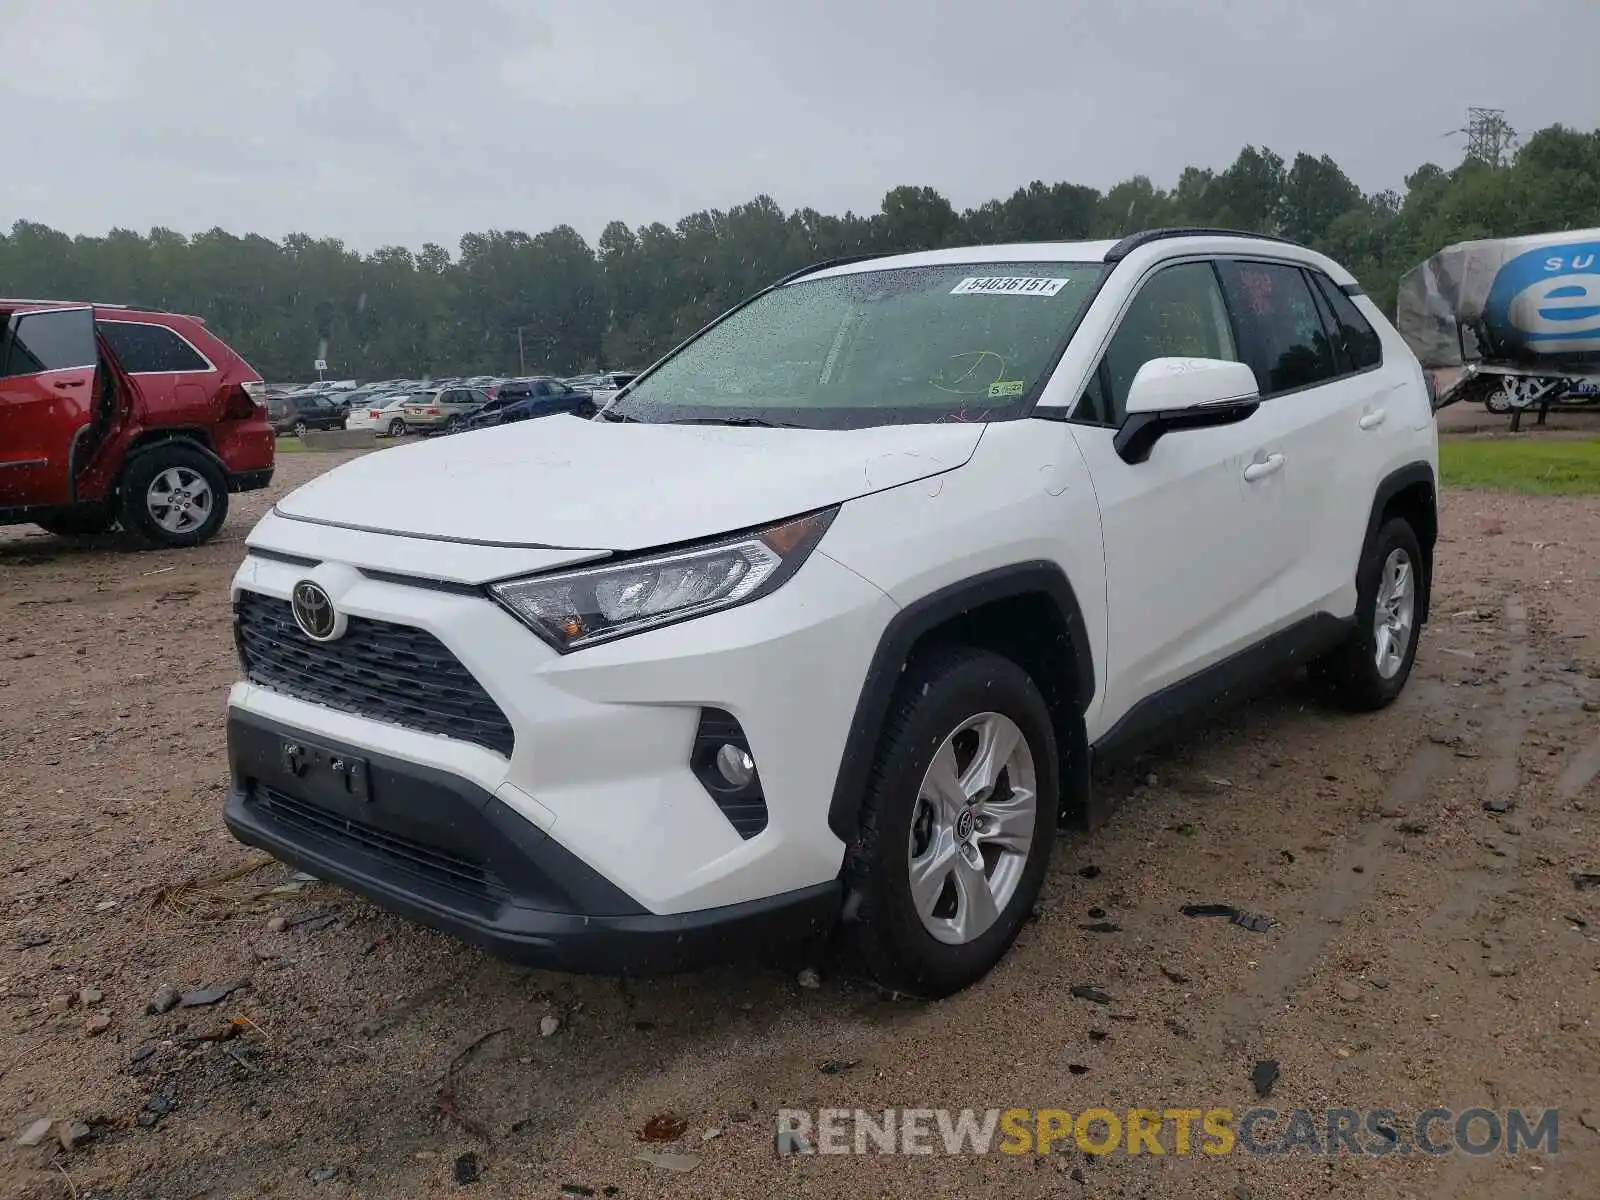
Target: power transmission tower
(1490,139)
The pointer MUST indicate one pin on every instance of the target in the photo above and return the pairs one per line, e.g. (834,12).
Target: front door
(47,400)
(1189,533)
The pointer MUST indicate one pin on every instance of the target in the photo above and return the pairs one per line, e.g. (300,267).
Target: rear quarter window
(146,349)
(1361,343)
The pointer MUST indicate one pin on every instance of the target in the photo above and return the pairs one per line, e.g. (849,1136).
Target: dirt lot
(1425,952)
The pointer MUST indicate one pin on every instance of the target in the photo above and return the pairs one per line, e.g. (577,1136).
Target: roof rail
(1143,238)
(825,264)
(58,300)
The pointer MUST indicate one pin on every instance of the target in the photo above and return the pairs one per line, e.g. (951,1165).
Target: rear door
(1315,402)
(48,361)
(1379,420)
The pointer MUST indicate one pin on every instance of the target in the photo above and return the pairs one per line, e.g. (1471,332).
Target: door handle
(1261,468)
(64,384)
(1372,419)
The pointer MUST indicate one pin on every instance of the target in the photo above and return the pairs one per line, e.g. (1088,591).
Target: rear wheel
(299,428)
(174,496)
(454,425)
(956,827)
(397,428)
(1371,668)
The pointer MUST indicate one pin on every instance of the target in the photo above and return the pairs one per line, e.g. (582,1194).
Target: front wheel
(956,827)
(1370,669)
(174,496)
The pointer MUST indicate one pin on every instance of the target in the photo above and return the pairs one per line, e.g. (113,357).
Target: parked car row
(395,408)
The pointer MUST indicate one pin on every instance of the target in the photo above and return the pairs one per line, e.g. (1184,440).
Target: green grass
(290,445)
(1544,468)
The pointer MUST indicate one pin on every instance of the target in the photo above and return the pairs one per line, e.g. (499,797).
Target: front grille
(388,672)
(428,864)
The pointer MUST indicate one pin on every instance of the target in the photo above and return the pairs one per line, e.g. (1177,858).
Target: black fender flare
(894,650)
(1388,488)
(161,443)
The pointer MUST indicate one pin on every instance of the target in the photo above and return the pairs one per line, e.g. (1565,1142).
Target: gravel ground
(1424,952)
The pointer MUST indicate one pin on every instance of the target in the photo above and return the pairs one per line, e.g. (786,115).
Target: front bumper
(599,755)
(446,853)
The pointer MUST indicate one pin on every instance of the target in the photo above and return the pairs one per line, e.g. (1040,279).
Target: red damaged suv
(113,415)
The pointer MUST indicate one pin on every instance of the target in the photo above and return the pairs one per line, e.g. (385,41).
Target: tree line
(552,301)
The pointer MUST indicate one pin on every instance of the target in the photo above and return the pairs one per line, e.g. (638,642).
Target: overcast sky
(405,121)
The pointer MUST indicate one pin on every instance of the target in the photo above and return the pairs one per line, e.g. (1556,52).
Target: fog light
(722,762)
(735,765)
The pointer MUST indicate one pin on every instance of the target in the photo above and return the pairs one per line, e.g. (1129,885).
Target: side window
(1178,313)
(1289,343)
(145,349)
(50,341)
(1361,343)
(541,388)
(1094,408)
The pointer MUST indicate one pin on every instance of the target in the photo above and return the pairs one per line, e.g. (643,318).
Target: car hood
(573,483)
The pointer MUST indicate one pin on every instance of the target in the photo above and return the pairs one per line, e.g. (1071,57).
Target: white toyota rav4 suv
(818,627)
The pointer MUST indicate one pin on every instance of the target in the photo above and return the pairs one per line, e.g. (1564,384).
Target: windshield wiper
(610,414)
(742,422)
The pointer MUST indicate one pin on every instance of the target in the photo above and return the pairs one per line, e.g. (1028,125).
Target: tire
(1498,401)
(299,429)
(148,485)
(454,425)
(948,701)
(79,522)
(1352,673)
(397,428)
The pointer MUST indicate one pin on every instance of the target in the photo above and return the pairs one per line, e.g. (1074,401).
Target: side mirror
(1169,394)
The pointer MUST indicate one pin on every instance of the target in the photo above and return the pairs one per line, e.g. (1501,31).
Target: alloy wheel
(179,499)
(1394,613)
(972,828)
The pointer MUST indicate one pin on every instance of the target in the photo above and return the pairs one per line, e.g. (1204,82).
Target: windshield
(918,344)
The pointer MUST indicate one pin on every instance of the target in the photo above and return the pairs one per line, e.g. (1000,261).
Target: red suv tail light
(237,403)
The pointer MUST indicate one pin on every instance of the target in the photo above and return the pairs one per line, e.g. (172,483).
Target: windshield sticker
(1007,286)
(1007,387)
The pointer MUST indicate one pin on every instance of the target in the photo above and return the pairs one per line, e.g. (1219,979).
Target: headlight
(578,608)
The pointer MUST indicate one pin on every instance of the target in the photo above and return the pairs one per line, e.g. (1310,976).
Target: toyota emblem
(314,612)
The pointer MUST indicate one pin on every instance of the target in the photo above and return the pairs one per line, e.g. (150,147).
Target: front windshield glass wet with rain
(969,341)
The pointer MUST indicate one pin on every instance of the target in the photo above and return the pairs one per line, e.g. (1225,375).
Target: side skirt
(1157,718)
